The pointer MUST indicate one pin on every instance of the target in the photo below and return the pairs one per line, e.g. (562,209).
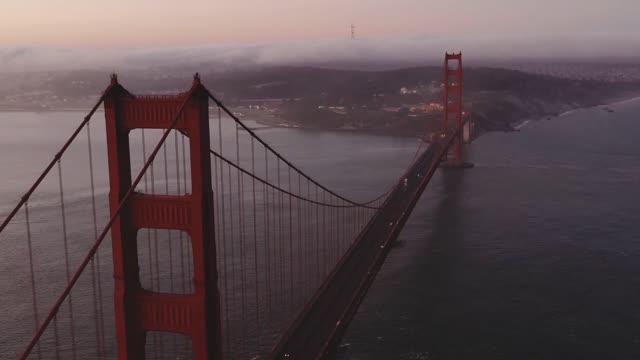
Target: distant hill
(496,97)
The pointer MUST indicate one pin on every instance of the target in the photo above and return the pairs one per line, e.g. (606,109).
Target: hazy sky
(170,23)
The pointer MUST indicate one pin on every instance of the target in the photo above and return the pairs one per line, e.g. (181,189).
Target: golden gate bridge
(221,248)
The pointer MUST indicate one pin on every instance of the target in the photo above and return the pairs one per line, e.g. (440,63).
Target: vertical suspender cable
(186,190)
(146,190)
(291,286)
(245,284)
(325,243)
(232,270)
(155,238)
(224,237)
(166,187)
(218,227)
(309,229)
(183,279)
(280,237)
(267,234)
(317,239)
(56,337)
(337,215)
(218,231)
(34,298)
(241,234)
(300,242)
(255,242)
(166,191)
(274,243)
(95,262)
(305,248)
(149,247)
(66,260)
(341,220)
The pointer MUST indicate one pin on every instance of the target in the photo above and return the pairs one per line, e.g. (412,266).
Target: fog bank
(418,50)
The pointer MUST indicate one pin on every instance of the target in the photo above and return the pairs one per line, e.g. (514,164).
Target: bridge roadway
(319,327)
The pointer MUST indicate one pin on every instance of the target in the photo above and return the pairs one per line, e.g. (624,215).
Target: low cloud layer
(415,50)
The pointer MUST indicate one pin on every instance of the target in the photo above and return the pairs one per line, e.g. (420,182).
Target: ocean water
(532,254)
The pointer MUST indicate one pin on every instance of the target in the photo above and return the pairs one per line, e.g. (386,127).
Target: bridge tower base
(139,310)
(453,114)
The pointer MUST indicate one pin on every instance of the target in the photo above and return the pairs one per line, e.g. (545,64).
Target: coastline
(516,126)
(381,132)
(624,101)
(609,102)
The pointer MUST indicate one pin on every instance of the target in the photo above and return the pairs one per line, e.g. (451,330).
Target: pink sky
(168,23)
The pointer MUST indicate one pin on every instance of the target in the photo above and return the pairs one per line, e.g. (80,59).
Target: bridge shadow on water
(438,302)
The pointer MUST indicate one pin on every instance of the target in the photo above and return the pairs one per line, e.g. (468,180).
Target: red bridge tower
(139,310)
(453,114)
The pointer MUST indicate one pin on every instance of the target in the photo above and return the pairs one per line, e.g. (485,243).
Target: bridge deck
(317,330)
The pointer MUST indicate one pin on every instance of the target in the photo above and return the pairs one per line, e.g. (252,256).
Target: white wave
(522,124)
